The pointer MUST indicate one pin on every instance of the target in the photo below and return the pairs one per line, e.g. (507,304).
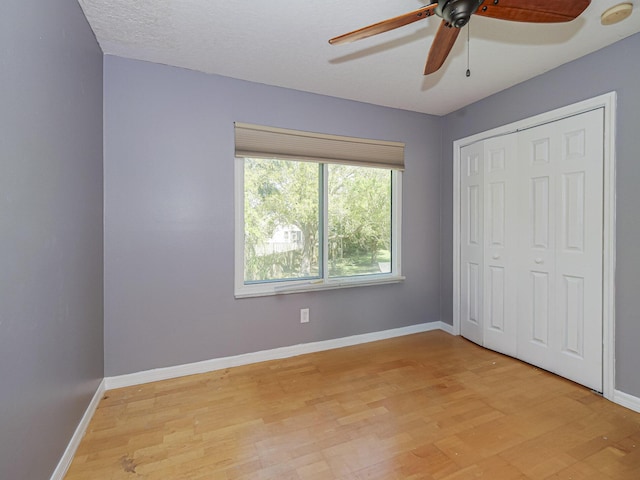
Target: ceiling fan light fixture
(616,14)
(458,12)
(455,14)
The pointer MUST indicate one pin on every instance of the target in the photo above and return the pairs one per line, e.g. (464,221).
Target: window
(310,216)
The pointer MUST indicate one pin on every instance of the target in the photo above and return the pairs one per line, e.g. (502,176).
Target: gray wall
(51,308)
(169,219)
(168,180)
(613,68)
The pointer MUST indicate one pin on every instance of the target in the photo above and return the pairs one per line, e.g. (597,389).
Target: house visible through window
(305,222)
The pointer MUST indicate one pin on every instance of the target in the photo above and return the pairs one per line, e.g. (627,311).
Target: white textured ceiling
(284,43)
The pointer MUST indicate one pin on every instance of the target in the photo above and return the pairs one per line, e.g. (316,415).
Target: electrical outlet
(304,315)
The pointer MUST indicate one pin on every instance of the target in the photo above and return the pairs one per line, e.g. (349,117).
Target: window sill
(316,285)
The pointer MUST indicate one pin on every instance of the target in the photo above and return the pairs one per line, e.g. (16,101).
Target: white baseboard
(265,355)
(70,451)
(445,327)
(626,400)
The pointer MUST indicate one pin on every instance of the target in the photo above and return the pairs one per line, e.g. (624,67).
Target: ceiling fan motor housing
(458,12)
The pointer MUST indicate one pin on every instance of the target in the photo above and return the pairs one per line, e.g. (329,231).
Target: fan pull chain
(468,36)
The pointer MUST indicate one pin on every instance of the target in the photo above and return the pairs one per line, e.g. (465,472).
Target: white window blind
(257,141)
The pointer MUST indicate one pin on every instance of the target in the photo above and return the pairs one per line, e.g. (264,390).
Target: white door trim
(608,103)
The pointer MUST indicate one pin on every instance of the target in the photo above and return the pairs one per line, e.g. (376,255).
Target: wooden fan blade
(386,25)
(535,11)
(442,45)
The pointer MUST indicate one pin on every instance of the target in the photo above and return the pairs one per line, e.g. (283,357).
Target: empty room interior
(232,249)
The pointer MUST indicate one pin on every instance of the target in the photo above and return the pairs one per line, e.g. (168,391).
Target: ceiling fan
(455,14)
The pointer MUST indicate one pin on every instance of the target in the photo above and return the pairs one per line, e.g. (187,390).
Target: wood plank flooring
(427,406)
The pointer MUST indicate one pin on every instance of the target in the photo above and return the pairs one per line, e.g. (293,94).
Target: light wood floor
(426,406)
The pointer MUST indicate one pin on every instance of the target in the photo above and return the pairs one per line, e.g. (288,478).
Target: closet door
(500,244)
(560,300)
(471,241)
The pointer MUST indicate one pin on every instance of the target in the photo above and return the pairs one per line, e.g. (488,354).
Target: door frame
(608,103)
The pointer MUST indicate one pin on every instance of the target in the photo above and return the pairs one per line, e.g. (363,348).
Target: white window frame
(266,288)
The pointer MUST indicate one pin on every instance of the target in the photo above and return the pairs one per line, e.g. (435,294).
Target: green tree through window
(281,196)
(284,220)
(359,217)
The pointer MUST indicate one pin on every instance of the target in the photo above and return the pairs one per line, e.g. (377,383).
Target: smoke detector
(616,14)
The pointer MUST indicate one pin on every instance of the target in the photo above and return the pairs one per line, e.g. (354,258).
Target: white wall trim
(70,451)
(324,282)
(626,400)
(265,355)
(608,103)
(445,327)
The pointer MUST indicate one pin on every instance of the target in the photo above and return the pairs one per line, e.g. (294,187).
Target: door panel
(572,315)
(562,166)
(474,294)
(474,217)
(495,214)
(579,253)
(471,248)
(536,302)
(539,212)
(539,331)
(500,244)
(573,205)
(496,299)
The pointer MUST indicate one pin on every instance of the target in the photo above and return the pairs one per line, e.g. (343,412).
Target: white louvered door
(531,245)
